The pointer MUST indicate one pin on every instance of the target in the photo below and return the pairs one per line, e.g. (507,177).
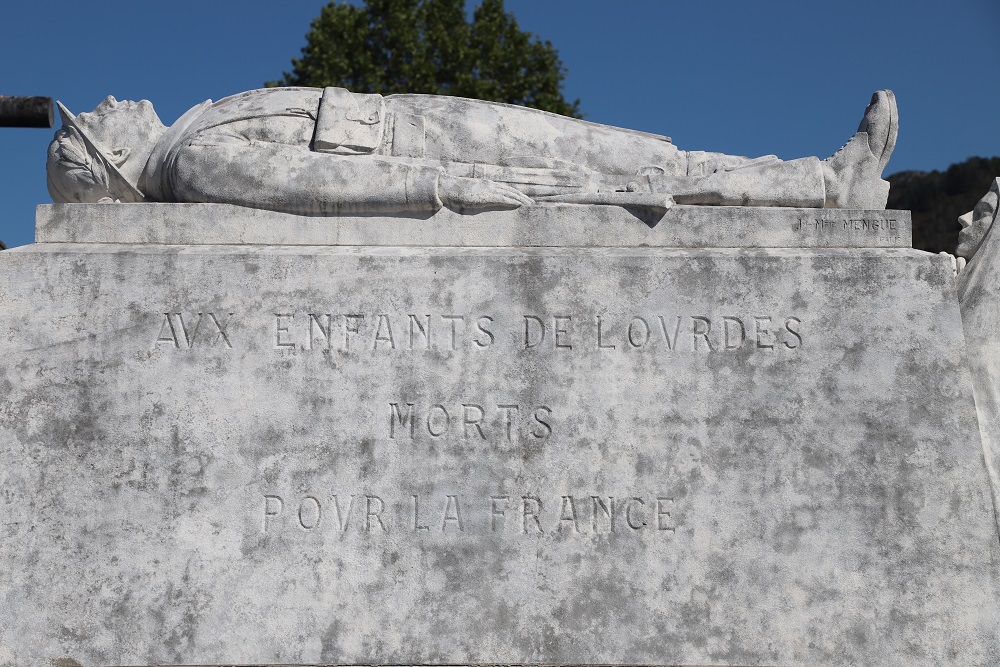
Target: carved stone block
(235,454)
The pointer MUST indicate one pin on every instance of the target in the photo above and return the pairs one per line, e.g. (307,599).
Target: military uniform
(320,151)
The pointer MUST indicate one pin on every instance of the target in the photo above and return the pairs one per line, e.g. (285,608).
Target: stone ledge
(533,226)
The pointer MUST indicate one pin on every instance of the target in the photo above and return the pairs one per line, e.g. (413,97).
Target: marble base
(283,455)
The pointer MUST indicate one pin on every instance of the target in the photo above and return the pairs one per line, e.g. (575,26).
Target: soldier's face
(124,131)
(978,221)
(119,127)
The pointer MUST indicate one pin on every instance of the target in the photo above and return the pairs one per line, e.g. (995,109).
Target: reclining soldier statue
(327,151)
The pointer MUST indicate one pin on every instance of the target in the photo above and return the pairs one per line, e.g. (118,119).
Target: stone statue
(979,299)
(978,222)
(327,151)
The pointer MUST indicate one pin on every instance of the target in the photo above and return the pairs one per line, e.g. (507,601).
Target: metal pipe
(25,111)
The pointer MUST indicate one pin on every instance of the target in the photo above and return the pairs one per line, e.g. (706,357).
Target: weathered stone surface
(333,152)
(979,241)
(540,225)
(788,434)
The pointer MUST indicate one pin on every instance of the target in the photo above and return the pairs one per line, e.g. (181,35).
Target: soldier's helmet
(100,156)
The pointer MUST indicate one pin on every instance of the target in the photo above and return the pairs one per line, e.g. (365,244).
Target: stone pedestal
(410,453)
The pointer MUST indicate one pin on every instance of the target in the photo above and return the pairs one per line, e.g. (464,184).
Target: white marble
(332,152)
(313,377)
(788,433)
(978,289)
(535,225)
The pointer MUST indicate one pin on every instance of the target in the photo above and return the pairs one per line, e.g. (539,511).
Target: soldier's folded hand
(460,193)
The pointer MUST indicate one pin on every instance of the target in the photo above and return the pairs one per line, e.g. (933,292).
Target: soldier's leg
(453,129)
(853,175)
(760,182)
(471,131)
(851,178)
(702,163)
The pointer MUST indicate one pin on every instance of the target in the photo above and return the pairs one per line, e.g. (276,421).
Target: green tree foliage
(429,46)
(936,199)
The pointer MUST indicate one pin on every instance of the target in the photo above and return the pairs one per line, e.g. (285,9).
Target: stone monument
(980,312)
(346,379)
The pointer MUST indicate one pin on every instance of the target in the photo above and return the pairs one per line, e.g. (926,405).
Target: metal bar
(25,111)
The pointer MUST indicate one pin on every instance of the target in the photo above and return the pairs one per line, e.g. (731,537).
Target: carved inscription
(700,333)
(501,421)
(381,331)
(183,331)
(884,230)
(874,225)
(565,333)
(453,513)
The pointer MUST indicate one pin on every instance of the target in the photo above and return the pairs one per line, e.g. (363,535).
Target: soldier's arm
(288,178)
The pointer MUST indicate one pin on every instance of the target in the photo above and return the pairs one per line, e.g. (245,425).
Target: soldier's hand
(459,193)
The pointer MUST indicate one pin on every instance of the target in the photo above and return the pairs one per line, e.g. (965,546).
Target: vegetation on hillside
(937,198)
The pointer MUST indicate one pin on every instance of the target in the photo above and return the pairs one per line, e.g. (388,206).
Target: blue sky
(789,77)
